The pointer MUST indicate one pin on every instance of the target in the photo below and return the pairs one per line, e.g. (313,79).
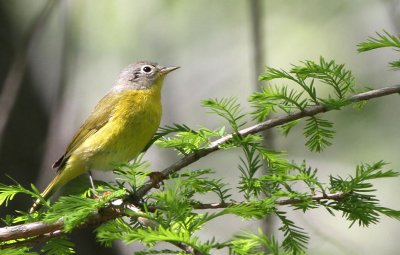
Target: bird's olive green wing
(96,120)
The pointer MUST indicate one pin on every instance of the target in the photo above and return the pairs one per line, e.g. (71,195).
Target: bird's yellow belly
(122,139)
(123,145)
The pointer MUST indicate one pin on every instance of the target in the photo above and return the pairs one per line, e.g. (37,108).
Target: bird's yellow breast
(133,121)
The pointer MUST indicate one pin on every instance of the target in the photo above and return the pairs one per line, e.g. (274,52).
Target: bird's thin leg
(92,184)
(91,179)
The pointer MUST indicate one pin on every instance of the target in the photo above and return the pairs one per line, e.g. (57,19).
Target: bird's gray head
(142,75)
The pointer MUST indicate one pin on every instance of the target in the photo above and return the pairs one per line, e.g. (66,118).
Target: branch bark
(38,232)
(334,196)
(43,230)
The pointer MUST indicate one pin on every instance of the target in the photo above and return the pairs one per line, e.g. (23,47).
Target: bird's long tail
(56,183)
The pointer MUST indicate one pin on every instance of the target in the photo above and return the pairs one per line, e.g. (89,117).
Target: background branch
(16,72)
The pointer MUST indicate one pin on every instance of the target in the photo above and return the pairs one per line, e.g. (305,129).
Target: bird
(118,129)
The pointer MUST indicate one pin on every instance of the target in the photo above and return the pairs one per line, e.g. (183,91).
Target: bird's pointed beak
(166,70)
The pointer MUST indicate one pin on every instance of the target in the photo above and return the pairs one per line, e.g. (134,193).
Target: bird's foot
(157,178)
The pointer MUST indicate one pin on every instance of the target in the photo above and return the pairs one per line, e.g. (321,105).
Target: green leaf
(7,192)
(250,164)
(364,172)
(318,133)
(200,182)
(58,245)
(358,208)
(166,130)
(74,210)
(252,209)
(395,64)
(359,105)
(381,41)
(250,243)
(272,74)
(118,230)
(360,205)
(227,108)
(395,214)
(328,72)
(285,128)
(174,202)
(189,142)
(276,161)
(17,251)
(134,173)
(334,75)
(272,98)
(296,239)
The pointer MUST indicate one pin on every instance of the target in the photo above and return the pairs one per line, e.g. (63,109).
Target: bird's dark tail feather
(46,194)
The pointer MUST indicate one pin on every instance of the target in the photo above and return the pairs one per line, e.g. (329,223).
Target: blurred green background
(68,60)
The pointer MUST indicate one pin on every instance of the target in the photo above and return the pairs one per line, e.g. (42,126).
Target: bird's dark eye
(146,69)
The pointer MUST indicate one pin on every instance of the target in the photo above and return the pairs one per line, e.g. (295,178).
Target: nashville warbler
(118,129)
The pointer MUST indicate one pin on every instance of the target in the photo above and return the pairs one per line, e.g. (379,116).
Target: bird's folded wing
(96,120)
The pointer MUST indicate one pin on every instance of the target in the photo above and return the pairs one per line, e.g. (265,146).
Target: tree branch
(41,228)
(32,241)
(334,196)
(38,232)
(268,124)
(188,249)
(41,231)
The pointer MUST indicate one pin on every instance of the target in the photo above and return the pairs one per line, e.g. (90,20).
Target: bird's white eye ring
(146,69)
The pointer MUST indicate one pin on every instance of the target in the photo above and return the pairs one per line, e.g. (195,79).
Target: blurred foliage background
(69,56)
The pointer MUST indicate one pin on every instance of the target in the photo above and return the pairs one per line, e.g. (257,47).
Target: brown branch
(32,241)
(41,231)
(188,249)
(38,232)
(28,230)
(42,228)
(268,124)
(334,196)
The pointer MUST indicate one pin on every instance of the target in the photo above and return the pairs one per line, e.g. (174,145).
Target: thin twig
(188,249)
(334,196)
(292,201)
